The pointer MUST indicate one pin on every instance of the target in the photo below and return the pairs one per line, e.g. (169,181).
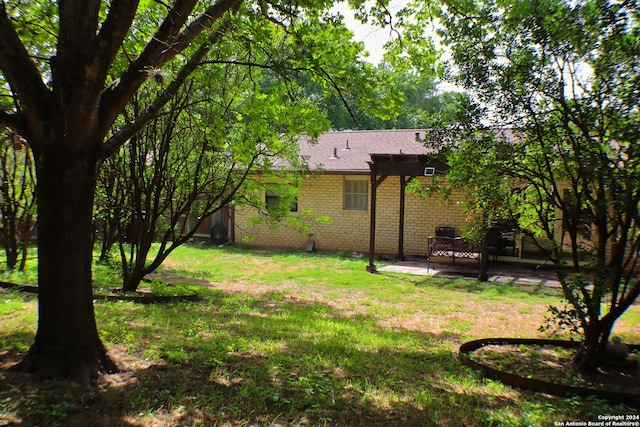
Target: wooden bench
(452,250)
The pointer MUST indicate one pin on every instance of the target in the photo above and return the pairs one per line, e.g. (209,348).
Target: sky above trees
(373,37)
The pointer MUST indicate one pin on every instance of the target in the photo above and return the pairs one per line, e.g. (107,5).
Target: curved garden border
(140,299)
(630,399)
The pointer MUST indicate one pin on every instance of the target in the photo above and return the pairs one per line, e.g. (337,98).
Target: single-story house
(343,192)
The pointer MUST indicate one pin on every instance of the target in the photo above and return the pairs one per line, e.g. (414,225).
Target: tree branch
(109,39)
(10,120)
(127,131)
(165,44)
(77,28)
(24,78)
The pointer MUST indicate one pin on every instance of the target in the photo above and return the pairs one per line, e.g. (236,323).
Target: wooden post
(401,226)
(371,268)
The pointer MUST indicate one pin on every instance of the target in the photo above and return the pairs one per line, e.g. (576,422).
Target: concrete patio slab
(507,273)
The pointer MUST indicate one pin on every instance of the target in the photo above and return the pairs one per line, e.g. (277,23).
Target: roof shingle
(349,151)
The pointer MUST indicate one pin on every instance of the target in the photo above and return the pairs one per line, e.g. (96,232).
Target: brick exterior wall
(349,229)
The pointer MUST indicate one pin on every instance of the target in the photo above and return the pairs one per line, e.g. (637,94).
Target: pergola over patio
(404,166)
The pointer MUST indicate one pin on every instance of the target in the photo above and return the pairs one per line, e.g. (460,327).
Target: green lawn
(288,339)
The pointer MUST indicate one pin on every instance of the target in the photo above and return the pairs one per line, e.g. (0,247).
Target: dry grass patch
(295,340)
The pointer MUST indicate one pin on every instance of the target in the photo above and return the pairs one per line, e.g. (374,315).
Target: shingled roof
(349,151)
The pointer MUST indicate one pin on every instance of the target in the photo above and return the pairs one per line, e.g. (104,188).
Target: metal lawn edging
(535,385)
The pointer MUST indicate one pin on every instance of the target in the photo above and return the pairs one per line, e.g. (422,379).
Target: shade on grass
(297,339)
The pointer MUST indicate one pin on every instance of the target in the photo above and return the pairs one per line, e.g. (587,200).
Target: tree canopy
(553,141)
(69,69)
(179,170)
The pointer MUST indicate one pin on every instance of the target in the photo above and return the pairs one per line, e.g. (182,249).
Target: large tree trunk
(67,344)
(591,352)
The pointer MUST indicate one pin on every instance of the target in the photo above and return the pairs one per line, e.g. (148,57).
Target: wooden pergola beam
(402,165)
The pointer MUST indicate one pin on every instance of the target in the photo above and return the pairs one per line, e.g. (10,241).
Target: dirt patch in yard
(475,319)
(454,323)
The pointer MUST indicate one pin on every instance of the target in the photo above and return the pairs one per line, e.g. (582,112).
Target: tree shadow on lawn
(472,285)
(273,362)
